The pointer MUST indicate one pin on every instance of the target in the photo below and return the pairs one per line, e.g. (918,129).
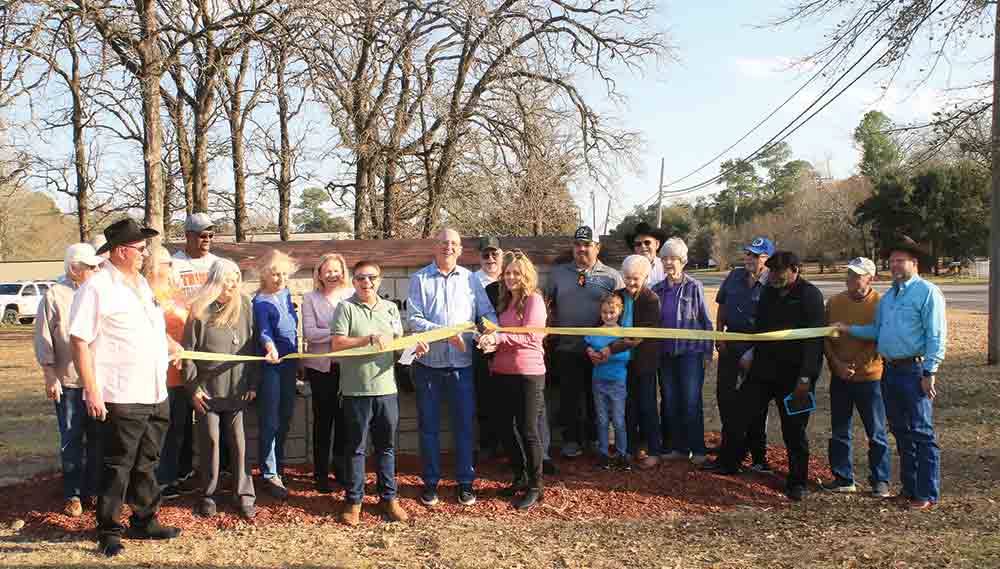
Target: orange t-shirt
(175,313)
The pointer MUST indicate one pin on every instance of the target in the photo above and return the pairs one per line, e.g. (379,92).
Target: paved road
(972,297)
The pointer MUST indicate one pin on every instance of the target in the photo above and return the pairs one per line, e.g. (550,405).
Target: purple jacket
(692,314)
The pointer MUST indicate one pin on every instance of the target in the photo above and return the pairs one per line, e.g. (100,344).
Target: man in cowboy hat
(120,350)
(646,240)
(911,332)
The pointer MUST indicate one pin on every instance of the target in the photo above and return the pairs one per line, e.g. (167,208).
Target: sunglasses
(494,254)
(515,254)
(140,248)
(646,242)
(206,236)
(369,278)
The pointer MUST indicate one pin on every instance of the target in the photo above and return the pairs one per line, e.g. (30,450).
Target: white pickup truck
(20,300)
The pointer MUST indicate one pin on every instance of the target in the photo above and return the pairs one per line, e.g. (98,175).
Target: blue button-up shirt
(910,321)
(437,300)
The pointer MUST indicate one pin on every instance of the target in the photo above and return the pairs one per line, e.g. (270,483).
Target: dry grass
(825,531)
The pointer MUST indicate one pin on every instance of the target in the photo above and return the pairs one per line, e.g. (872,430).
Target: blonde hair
(229,316)
(337,258)
(275,259)
(613,300)
(166,285)
(529,281)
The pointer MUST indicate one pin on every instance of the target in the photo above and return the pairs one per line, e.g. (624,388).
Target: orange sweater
(175,313)
(848,349)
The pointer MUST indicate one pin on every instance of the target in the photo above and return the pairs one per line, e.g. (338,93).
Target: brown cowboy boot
(351,514)
(394,511)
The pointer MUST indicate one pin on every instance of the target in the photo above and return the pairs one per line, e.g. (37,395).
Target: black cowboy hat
(125,231)
(645,229)
(904,243)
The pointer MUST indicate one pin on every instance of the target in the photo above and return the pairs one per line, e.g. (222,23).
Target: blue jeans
(275,404)
(609,405)
(178,446)
(80,445)
(867,397)
(457,384)
(378,415)
(911,417)
(681,379)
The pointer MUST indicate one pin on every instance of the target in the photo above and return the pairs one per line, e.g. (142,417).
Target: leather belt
(904,361)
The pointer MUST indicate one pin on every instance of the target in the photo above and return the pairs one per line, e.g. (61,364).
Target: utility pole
(659,199)
(593,209)
(993,342)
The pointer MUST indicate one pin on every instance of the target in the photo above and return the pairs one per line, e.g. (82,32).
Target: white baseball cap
(862,266)
(83,253)
(198,222)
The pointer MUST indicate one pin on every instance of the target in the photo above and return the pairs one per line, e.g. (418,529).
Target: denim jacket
(692,314)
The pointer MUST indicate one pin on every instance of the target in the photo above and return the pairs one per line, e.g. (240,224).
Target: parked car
(20,300)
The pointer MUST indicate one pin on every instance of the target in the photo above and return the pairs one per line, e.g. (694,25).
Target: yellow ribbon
(670,333)
(401,343)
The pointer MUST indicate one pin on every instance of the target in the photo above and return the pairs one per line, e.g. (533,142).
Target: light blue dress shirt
(437,300)
(909,321)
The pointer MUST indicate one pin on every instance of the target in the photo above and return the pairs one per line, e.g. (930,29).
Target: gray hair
(634,263)
(675,247)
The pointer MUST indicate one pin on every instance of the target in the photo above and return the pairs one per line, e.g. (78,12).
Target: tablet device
(796,407)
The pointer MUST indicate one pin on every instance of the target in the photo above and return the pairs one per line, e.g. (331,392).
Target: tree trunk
(176,109)
(285,152)
(152,143)
(993,344)
(205,97)
(389,196)
(361,198)
(233,103)
(79,146)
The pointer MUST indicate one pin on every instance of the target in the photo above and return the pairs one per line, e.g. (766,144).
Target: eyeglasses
(646,242)
(206,236)
(142,249)
(369,278)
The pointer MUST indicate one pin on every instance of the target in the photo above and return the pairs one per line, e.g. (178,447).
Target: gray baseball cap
(861,266)
(198,222)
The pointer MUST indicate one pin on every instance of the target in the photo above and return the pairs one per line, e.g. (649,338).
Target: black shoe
(152,530)
(549,468)
(797,493)
(206,508)
(717,467)
(429,497)
(170,492)
(466,496)
(323,487)
(248,511)
(604,463)
(530,498)
(621,464)
(111,546)
(761,467)
(520,483)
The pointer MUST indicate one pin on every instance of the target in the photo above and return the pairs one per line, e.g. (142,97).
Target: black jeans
(522,404)
(177,454)
(132,435)
(492,433)
(576,397)
(730,400)
(642,413)
(328,417)
(757,396)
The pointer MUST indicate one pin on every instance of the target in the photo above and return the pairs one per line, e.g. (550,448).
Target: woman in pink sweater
(519,366)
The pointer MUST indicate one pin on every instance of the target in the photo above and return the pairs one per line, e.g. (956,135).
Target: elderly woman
(682,363)
(177,454)
(80,442)
(330,286)
(642,310)
(221,322)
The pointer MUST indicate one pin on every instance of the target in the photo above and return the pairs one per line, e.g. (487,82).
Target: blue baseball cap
(760,246)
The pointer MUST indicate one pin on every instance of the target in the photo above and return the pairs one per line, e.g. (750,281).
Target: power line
(779,137)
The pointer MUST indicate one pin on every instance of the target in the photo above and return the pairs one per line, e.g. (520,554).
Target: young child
(609,386)
(276,328)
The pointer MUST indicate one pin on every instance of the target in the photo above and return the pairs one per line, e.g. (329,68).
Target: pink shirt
(317,313)
(127,337)
(522,354)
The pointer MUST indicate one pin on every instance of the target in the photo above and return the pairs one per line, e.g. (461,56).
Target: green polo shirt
(365,376)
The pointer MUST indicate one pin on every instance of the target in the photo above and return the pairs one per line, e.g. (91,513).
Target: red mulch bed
(579,492)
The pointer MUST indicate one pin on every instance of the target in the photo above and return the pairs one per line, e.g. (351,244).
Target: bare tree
(237,114)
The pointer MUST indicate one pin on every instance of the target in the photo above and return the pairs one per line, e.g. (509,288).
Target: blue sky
(730,73)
